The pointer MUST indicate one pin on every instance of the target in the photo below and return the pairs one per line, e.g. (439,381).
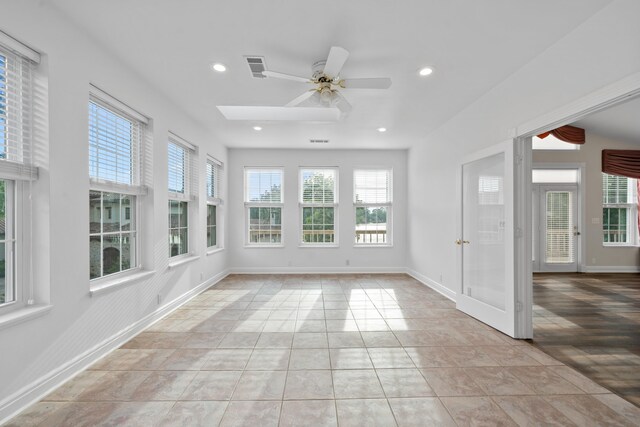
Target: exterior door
(485,240)
(557,228)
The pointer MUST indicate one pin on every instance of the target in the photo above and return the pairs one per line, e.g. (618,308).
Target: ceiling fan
(327,101)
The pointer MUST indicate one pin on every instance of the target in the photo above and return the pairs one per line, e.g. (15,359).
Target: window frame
(136,188)
(20,174)
(366,205)
(631,206)
(187,196)
(214,198)
(302,205)
(248,205)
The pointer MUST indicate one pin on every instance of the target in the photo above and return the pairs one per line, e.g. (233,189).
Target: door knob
(466,241)
(458,242)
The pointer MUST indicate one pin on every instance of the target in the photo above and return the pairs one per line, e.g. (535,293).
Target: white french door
(485,256)
(556,229)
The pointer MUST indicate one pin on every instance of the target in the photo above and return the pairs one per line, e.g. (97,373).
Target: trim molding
(31,393)
(315,270)
(441,289)
(611,269)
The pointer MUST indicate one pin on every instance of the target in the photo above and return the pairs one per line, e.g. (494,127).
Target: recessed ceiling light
(257,128)
(219,67)
(425,71)
(382,129)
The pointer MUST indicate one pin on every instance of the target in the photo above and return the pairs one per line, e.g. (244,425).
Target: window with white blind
(372,192)
(214,201)
(319,206)
(17,171)
(263,192)
(116,135)
(619,210)
(181,185)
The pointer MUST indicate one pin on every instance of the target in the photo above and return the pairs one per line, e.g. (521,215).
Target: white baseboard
(611,269)
(31,393)
(432,284)
(316,270)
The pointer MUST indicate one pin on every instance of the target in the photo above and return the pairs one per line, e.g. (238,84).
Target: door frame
(581,167)
(612,94)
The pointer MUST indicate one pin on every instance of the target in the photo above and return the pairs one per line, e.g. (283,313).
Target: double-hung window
(116,138)
(619,210)
(372,193)
(17,65)
(319,206)
(214,175)
(181,180)
(263,192)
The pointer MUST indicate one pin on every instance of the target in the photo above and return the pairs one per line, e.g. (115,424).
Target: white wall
(601,51)
(293,258)
(36,348)
(598,257)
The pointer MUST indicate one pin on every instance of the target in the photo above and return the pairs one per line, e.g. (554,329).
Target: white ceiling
(620,122)
(472,45)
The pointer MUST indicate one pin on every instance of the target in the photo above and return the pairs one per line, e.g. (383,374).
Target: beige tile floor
(356,350)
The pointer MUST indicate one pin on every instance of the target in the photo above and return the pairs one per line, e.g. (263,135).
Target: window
(263,191)
(115,173)
(214,172)
(318,205)
(372,199)
(181,184)
(619,210)
(552,143)
(17,172)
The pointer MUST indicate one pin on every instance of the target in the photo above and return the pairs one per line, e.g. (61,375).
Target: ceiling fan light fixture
(221,68)
(425,71)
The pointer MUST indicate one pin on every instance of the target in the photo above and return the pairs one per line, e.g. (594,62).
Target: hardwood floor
(592,322)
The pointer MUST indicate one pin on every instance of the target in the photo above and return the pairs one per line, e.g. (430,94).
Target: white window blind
(115,147)
(214,175)
(182,179)
(560,241)
(318,186)
(372,186)
(16,109)
(263,185)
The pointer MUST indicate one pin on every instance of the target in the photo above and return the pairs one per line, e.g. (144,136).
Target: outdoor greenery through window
(318,203)
(619,210)
(263,205)
(7,242)
(372,200)
(178,227)
(114,171)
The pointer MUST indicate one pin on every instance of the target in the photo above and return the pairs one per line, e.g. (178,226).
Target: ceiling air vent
(319,141)
(256,65)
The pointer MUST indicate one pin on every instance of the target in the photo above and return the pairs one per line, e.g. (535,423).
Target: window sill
(388,245)
(108,285)
(27,313)
(619,245)
(332,246)
(263,246)
(181,261)
(214,251)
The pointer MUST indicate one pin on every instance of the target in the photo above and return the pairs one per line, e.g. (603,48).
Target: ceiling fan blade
(372,83)
(342,103)
(299,100)
(277,75)
(337,57)
(306,114)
